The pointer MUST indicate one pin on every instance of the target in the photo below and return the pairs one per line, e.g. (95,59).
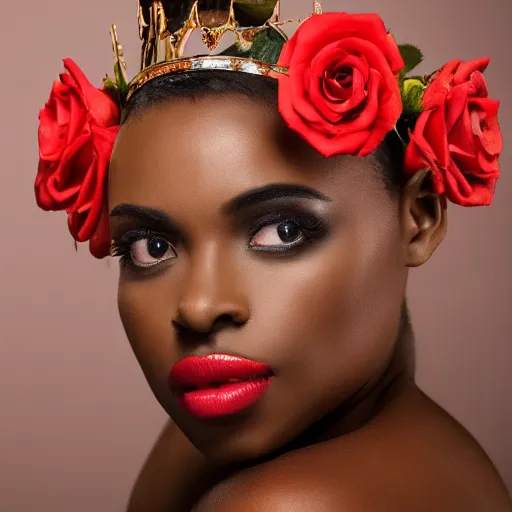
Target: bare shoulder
(412,458)
(287,484)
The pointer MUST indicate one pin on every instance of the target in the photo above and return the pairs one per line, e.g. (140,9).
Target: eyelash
(122,249)
(310,226)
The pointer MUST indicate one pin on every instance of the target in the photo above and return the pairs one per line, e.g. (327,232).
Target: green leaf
(412,95)
(122,85)
(111,89)
(412,57)
(265,47)
(399,135)
(109,84)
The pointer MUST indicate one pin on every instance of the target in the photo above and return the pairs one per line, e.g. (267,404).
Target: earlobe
(423,218)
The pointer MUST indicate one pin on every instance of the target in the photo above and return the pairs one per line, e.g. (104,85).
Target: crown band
(210,62)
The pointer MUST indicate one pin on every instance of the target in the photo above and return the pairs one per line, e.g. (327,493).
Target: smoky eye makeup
(143,238)
(143,249)
(284,226)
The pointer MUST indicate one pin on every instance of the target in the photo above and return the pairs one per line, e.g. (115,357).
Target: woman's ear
(423,219)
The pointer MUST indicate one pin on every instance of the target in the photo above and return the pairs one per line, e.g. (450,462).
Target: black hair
(388,158)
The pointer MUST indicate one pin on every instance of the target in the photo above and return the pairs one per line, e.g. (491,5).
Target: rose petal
(396,61)
(299,96)
(64,183)
(93,190)
(287,110)
(437,90)
(366,118)
(101,106)
(464,159)
(461,133)
(420,154)
(435,134)
(78,117)
(488,165)
(465,69)
(341,100)
(335,27)
(479,85)
(456,105)
(340,145)
(459,191)
(43,199)
(51,143)
(490,136)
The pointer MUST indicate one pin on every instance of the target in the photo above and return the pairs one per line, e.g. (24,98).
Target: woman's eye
(151,251)
(281,235)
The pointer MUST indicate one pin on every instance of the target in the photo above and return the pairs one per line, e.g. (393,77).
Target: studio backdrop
(76,415)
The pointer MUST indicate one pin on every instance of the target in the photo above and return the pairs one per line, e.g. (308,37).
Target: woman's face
(241,240)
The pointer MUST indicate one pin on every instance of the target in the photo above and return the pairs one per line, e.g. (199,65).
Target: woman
(266,219)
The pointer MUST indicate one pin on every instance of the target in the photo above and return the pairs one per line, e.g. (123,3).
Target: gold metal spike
(276,17)
(142,22)
(317,7)
(119,62)
(161,19)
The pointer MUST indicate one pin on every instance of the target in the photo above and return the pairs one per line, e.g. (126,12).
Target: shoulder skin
(414,458)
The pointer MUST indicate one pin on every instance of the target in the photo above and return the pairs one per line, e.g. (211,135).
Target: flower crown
(343,83)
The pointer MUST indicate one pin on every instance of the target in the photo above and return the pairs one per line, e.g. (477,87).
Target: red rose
(457,136)
(77,130)
(341,93)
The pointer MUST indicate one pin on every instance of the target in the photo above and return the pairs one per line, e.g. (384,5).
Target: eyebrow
(145,215)
(269,193)
(162,222)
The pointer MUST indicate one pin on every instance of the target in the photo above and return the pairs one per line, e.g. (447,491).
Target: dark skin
(343,426)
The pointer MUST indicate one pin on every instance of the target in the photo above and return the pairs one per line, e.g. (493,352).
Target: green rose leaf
(111,88)
(412,56)
(265,47)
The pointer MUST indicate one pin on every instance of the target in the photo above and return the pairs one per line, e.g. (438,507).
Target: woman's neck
(367,402)
(375,396)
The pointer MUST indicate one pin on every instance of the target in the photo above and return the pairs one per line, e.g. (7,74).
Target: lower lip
(224,401)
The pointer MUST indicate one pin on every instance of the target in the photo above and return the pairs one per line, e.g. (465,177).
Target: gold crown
(165,27)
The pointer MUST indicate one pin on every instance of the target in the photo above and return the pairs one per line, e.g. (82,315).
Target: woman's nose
(212,292)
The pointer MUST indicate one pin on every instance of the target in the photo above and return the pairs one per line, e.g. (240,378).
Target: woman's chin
(237,451)
(237,443)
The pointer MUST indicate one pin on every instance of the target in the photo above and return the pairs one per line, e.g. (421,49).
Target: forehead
(204,151)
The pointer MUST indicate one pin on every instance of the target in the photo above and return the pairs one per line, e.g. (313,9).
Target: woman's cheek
(147,323)
(358,282)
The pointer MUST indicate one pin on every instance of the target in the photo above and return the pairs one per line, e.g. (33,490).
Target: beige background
(76,416)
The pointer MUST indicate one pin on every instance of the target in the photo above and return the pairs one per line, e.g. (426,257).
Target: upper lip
(215,369)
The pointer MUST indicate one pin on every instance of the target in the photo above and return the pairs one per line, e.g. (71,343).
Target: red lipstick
(218,385)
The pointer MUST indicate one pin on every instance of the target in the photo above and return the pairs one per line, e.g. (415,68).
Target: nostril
(199,326)
(191,336)
(225,320)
